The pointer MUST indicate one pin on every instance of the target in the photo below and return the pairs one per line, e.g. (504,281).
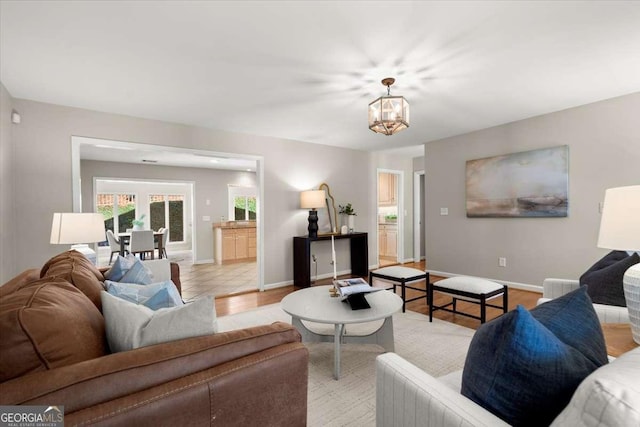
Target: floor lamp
(620,230)
(77,230)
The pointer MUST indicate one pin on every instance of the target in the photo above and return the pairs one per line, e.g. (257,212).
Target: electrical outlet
(444,211)
(502,262)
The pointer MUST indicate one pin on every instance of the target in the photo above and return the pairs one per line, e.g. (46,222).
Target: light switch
(206,218)
(207,202)
(444,211)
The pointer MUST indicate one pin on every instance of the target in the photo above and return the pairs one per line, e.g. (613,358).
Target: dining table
(126,237)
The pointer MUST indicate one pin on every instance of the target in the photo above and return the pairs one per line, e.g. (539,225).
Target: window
(242,203)
(245,208)
(118,210)
(167,211)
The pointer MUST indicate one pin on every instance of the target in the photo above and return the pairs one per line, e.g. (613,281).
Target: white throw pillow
(609,397)
(130,326)
(160,269)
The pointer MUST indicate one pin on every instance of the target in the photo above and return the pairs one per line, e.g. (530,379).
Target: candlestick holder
(333,292)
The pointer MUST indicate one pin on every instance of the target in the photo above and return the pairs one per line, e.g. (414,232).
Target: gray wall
(42,160)
(604,150)
(208,184)
(7,226)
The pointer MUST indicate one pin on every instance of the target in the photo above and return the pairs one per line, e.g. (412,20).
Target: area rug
(438,348)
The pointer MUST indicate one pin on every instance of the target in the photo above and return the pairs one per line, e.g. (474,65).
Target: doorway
(389,217)
(119,152)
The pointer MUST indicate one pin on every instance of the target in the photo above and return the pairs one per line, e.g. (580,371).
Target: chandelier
(389,114)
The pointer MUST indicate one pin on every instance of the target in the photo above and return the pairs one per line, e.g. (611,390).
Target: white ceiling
(155,155)
(306,70)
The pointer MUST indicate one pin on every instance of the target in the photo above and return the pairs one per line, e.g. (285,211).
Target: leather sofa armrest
(175,276)
(554,288)
(408,396)
(93,382)
(20,280)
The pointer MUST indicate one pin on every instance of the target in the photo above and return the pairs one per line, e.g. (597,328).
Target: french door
(118,210)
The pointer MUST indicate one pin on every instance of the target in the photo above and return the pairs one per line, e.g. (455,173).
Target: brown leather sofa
(53,351)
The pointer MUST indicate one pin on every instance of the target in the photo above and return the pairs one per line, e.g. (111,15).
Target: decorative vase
(632,296)
(137,227)
(351,223)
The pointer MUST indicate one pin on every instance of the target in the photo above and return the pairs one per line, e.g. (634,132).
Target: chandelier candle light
(389,114)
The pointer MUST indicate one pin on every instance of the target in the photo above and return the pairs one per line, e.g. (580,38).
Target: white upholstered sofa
(409,397)
(554,288)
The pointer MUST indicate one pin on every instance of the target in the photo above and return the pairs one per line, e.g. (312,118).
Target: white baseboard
(514,285)
(318,277)
(277,285)
(204,261)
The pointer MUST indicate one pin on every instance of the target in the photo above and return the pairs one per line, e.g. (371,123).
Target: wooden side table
(302,255)
(618,338)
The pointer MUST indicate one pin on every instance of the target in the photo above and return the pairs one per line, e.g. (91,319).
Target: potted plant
(351,214)
(138,224)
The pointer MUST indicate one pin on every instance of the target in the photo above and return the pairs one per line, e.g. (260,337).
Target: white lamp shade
(620,222)
(312,199)
(73,228)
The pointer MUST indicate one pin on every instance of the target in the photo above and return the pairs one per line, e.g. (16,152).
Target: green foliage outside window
(242,204)
(176,223)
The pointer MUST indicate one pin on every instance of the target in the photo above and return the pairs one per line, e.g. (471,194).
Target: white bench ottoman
(472,289)
(401,276)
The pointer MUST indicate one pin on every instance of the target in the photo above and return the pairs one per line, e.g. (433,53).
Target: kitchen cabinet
(234,242)
(388,240)
(252,241)
(387,189)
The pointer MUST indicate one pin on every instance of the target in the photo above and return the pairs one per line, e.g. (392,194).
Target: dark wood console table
(302,256)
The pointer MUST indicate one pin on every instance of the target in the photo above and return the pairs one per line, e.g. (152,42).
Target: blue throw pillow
(604,278)
(120,266)
(561,316)
(155,296)
(525,366)
(138,273)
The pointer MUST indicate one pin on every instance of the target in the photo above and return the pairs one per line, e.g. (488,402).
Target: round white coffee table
(314,304)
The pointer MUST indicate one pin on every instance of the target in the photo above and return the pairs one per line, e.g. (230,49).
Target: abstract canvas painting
(526,184)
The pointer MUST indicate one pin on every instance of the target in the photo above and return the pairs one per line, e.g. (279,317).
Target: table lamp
(620,230)
(78,229)
(312,200)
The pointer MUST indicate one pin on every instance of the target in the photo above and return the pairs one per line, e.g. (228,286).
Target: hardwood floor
(249,300)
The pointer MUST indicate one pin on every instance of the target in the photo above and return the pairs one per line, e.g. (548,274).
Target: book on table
(353,291)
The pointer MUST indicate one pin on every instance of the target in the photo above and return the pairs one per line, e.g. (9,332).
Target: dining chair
(165,240)
(114,244)
(142,243)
